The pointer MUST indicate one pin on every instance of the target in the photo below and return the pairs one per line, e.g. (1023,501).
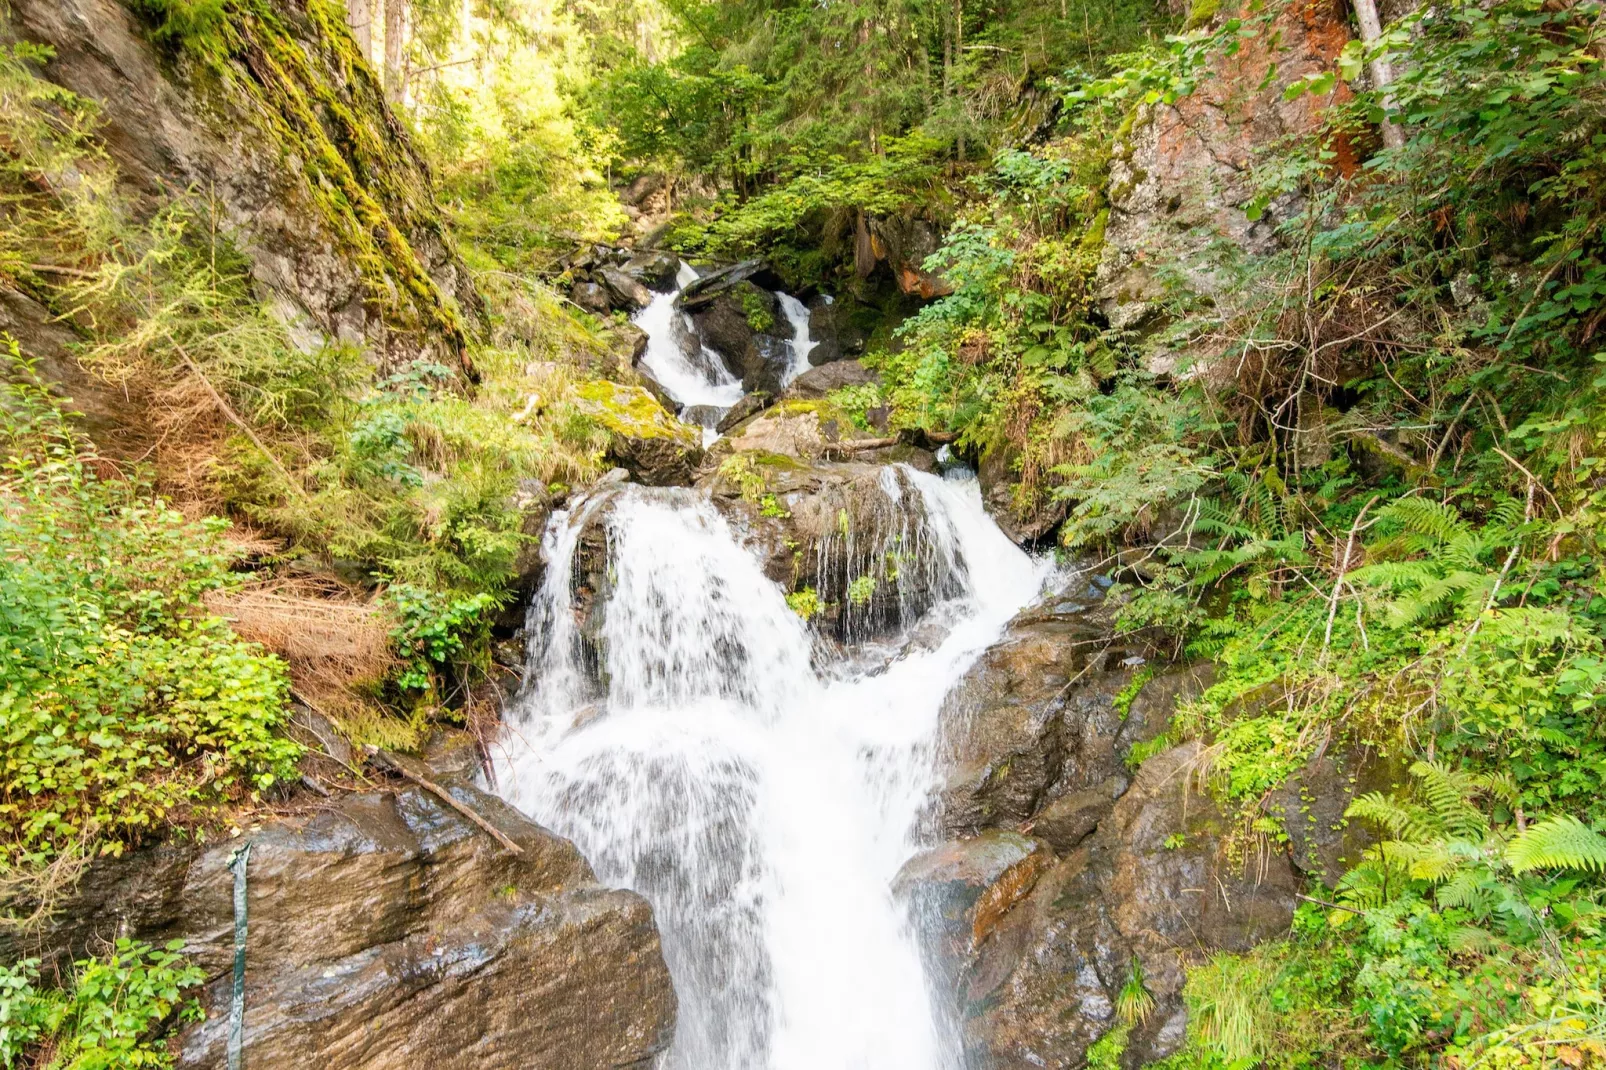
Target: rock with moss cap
(643,438)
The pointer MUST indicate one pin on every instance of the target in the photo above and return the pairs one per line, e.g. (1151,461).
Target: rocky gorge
(810,748)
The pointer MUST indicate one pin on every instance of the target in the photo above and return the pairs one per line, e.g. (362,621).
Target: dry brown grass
(336,643)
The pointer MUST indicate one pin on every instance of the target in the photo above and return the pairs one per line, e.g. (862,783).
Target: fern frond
(1403,820)
(1562,842)
(1468,890)
(1423,516)
(1447,792)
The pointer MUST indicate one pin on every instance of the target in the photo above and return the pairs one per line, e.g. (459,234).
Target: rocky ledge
(1064,874)
(389,932)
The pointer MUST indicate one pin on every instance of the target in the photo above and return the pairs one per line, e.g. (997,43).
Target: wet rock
(1128,867)
(654,270)
(592,297)
(644,438)
(836,336)
(1311,804)
(750,405)
(624,292)
(857,534)
(704,289)
(387,933)
(1028,517)
(744,325)
(818,382)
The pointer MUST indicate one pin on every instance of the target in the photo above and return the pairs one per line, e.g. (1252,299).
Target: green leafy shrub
(124,706)
(112,1016)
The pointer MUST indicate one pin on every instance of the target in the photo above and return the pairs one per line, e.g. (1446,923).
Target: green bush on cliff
(125,707)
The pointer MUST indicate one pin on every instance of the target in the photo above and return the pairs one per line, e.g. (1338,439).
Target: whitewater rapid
(763,806)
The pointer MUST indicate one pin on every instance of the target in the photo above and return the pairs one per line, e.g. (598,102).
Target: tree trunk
(395,50)
(1382,73)
(360,17)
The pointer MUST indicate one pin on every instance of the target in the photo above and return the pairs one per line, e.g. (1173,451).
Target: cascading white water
(764,810)
(704,381)
(797,314)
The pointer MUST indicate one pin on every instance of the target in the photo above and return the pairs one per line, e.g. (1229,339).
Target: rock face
(171,122)
(1064,871)
(835,335)
(1180,180)
(386,932)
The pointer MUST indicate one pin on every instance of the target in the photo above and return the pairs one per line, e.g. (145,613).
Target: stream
(761,791)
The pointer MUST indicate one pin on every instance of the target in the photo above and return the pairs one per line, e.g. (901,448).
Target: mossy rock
(643,437)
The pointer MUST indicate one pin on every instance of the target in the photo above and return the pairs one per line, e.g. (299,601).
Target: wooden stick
(1330,906)
(393,764)
(235,418)
(860,445)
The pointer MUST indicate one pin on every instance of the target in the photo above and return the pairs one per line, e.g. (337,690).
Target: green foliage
(124,705)
(111,1017)
(861,590)
(805,603)
(433,630)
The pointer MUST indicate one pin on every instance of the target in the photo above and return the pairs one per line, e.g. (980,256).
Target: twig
(1343,570)
(1329,906)
(391,763)
(235,418)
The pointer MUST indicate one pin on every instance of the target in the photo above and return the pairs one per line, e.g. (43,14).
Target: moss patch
(630,411)
(299,75)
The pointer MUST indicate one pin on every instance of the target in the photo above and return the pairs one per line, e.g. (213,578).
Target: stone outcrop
(387,932)
(1062,870)
(644,438)
(225,124)
(1181,178)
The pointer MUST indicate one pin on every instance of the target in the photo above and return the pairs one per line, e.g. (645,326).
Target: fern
(1432,520)
(1562,842)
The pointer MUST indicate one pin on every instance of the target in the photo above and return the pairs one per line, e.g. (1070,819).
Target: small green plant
(433,629)
(1175,842)
(771,506)
(1134,1003)
(862,590)
(757,311)
(1129,694)
(124,704)
(111,1018)
(805,603)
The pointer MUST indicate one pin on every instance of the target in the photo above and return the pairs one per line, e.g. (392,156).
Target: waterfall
(696,377)
(762,806)
(693,374)
(797,314)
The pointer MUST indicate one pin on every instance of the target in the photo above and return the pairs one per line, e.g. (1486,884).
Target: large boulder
(745,326)
(654,270)
(624,292)
(1065,871)
(388,932)
(856,534)
(643,437)
(817,382)
(835,335)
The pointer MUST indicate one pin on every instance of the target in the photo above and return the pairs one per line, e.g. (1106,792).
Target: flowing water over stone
(762,803)
(694,375)
(691,372)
